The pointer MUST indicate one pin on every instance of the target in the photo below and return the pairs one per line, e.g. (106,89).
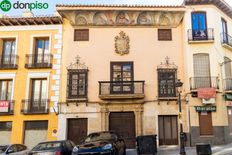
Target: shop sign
(205,108)
(4,106)
(206,93)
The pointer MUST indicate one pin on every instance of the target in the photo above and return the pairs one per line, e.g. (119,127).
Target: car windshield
(47,146)
(100,136)
(3,148)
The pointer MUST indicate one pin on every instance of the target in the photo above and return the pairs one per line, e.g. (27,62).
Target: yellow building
(30,60)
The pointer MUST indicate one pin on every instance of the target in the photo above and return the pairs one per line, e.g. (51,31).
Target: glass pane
(117,76)
(36,93)
(194,21)
(46,48)
(7,48)
(202,21)
(9,90)
(117,68)
(13,47)
(3,90)
(81,86)
(39,46)
(44,89)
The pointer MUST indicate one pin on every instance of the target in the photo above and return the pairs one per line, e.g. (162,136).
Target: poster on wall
(4,106)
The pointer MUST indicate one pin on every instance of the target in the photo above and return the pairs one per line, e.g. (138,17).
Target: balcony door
(5,90)
(228,77)
(41,51)
(8,52)
(224,31)
(38,95)
(201,65)
(122,77)
(199,26)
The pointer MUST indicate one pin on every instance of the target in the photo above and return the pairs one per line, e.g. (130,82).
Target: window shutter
(164,34)
(81,35)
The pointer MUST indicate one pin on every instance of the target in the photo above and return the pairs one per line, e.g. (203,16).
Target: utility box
(146,144)
(203,149)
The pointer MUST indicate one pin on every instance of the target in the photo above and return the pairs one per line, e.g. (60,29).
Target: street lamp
(179,84)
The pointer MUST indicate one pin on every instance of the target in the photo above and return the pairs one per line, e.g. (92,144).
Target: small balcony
(7,107)
(38,61)
(121,89)
(8,62)
(203,82)
(30,106)
(227,82)
(201,36)
(226,41)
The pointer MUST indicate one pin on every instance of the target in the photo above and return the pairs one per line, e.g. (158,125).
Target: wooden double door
(168,130)
(77,129)
(123,123)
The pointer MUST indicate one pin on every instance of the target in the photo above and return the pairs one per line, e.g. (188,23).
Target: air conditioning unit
(208,101)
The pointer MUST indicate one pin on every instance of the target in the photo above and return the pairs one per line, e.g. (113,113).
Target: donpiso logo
(6,5)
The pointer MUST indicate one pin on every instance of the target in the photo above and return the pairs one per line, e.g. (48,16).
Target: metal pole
(182,148)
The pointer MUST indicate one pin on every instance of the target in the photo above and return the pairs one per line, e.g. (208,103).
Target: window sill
(206,136)
(168,98)
(200,41)
(227,46)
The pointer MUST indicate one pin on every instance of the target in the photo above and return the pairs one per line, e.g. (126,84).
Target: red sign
(4,106)
(206,93)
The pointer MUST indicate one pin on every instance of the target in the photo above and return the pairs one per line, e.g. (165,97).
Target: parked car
(62,147)
(14,149)
(106,142)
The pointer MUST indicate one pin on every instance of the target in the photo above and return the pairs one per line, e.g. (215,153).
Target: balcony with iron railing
(38,61)
(8,62)
(200,36)
(226,41)
(30,106)
(7,107)
(204,82)
(121,89)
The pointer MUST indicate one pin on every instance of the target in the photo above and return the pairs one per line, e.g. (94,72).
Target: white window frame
(32,75)
(16,41)
(9,76)
(32,41)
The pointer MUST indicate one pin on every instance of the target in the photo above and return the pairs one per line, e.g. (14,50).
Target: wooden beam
(2,23)
(8,20)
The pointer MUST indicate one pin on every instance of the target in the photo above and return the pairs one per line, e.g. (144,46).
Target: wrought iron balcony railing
(226,39)
(228,84)
(9,61)
(38,61)
(204,82)
(30,106)
(200,35)
(7,107)
(131,89)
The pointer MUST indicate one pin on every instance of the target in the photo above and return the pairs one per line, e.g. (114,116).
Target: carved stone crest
(122,43)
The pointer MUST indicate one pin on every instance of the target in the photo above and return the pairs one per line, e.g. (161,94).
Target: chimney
(27,14)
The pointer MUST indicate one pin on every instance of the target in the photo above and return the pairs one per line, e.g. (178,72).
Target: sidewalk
(174,150)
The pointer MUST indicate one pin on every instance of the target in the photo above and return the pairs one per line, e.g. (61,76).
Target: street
(174,150)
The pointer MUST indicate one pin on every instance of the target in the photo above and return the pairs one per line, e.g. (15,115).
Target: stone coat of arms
(122,44)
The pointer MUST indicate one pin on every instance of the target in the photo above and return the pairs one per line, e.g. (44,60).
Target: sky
(52,4)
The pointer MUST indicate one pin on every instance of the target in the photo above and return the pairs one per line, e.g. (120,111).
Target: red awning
(206,93)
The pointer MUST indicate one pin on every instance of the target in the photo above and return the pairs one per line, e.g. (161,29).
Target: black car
(97,143)
(63,147)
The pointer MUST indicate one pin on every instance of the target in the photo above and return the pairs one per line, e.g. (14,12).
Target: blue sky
(52,3)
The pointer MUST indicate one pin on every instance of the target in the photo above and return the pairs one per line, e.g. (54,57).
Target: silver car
(13,149)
